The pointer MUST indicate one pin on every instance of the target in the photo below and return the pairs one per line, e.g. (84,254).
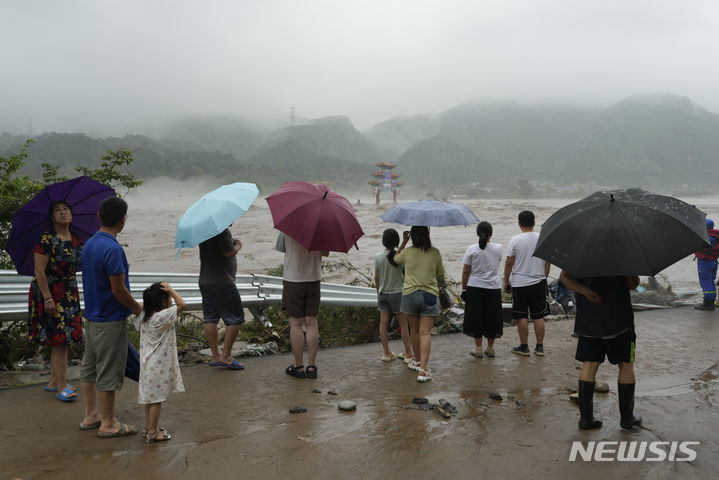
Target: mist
(130,66)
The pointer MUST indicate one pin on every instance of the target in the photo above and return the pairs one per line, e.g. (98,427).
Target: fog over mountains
(661,142)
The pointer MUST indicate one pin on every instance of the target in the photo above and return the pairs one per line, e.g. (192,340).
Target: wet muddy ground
(236,424)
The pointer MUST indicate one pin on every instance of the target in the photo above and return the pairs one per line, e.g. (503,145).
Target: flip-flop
(92,426)
(235,365)
(144,431)
(54,389)
(67,395)
(213,363)
(121,432)
(153,438)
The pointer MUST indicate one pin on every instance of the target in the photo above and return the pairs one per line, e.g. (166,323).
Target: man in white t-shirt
(528,284)
(301,298)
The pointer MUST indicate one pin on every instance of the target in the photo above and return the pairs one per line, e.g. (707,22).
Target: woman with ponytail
(482,291)
(388,280)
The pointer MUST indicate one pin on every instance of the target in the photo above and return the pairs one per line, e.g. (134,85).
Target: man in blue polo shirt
(108,302)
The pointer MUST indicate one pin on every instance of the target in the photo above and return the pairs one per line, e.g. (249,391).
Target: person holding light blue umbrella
(213,213)
(207,223)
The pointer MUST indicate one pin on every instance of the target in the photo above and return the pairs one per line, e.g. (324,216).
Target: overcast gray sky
(125,65)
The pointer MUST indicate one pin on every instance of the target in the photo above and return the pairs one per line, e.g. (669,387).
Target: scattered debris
(314,390)
(442,408)
(261,349)
(332,392)
(444,404)
(297,409)
(520,404)
(495,396)
(601,387)
(455,316)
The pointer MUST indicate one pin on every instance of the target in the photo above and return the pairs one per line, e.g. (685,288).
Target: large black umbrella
(621,232)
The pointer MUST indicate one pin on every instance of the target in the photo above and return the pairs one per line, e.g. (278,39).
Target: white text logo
(633,451)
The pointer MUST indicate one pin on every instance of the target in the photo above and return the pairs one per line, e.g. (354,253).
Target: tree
(109,172)
(16,191)
(525,188)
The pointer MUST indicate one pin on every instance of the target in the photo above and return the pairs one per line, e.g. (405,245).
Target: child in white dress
(159,366)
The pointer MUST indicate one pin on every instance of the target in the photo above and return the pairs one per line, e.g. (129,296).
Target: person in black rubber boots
(604,324)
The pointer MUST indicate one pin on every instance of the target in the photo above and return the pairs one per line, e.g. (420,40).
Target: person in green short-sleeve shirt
(420,293)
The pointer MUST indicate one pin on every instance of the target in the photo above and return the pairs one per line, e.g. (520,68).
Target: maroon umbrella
(82,194)
(315,216)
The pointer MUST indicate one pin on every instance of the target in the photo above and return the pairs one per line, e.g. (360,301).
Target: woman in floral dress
(54,302)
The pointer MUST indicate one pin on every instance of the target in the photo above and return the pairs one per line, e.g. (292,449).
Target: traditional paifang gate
(385,179)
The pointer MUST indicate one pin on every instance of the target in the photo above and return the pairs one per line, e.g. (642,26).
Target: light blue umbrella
(430,213)
(213,213)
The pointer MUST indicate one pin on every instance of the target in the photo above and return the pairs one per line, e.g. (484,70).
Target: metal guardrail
(257,292)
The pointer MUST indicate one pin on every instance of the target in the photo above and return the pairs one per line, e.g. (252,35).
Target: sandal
(389,358)
(124,430)
(144,431)
(405,357)
(154,438)
(424,376)
(295,371)
(413,365)
(67,394)
(311,371)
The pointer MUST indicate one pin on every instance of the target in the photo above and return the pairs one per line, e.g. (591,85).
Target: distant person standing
(604,325)
(528,284)
(707,268)
(220,297)
(108,303)
(301,298)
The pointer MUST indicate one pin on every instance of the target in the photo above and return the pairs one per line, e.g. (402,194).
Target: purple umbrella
(82,194)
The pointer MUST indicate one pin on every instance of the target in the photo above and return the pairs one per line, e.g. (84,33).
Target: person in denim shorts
(420,292)
(388,280)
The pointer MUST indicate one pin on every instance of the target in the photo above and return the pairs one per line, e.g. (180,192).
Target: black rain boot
(586,406)
(707,305)
(626,406)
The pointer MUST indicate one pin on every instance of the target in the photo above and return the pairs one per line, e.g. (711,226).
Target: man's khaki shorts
(105,355)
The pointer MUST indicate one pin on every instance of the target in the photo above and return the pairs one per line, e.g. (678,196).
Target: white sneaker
(489,352)
(477,352)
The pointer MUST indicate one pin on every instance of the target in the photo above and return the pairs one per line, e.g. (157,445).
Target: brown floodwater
(156,207)
(236,424)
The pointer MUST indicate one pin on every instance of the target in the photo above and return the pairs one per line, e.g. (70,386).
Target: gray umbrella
(621,232)
(430,213)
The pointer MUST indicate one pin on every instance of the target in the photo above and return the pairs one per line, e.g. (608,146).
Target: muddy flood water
(236,424)
(155,208)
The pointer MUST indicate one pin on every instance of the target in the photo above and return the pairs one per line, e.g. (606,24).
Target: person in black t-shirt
(220,297)
(604,324)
